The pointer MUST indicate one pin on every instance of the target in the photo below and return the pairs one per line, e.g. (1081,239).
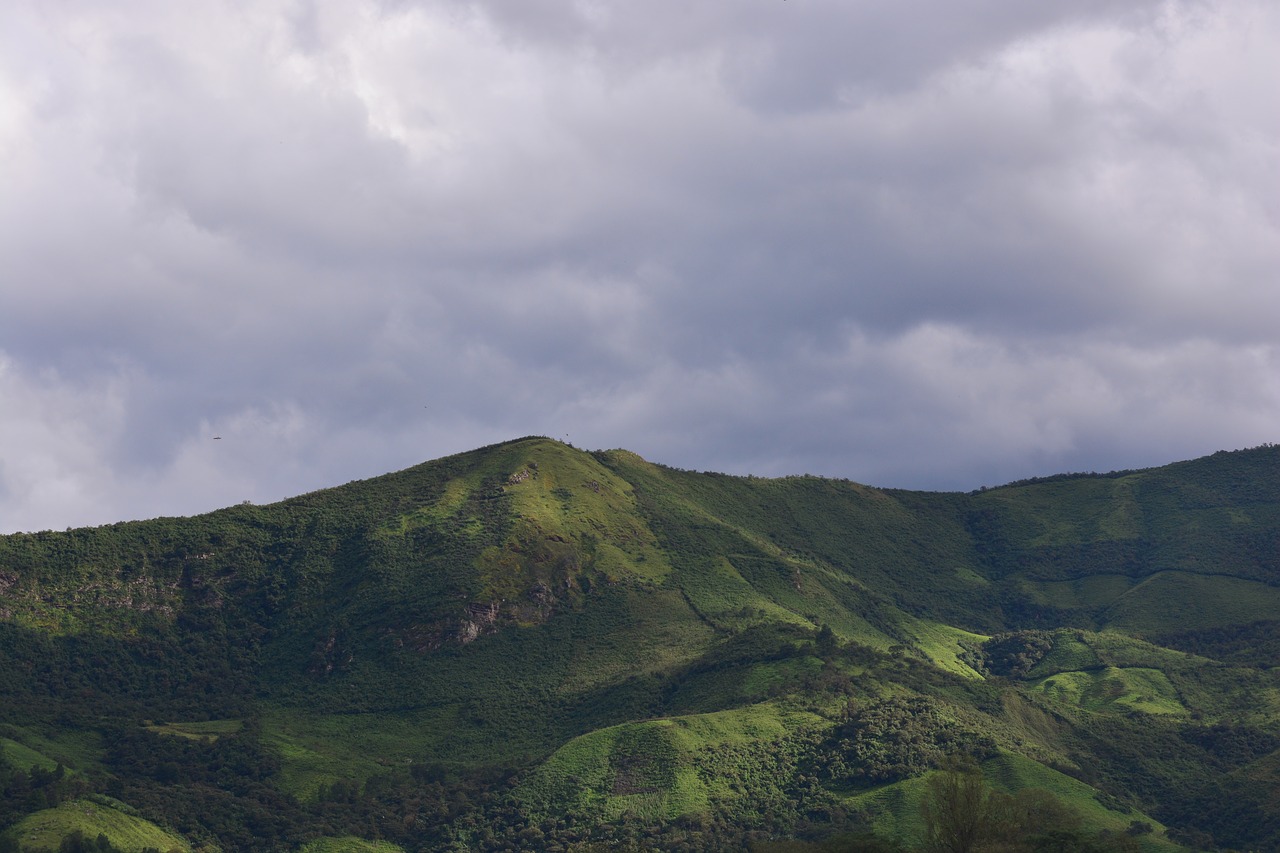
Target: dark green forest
(534,647)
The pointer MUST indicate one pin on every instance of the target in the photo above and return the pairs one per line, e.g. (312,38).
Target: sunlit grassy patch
(44,830)
(944,645)
(894,810)
(659,769)
(75,750)
(1013,772)
(1070,653)
(1137,689)
(199,730)
(24,757)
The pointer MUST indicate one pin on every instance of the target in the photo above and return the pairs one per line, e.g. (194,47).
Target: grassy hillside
(533,645)
(45,830)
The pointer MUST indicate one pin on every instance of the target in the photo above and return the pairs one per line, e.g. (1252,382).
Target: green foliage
(895,739)
(1015,654)
(961,813)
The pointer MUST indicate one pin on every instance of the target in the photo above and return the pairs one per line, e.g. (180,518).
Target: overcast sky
(931,245)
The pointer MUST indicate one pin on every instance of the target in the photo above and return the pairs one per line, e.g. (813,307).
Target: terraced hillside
(534,647)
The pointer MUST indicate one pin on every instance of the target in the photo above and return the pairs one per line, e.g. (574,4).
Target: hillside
(530,646)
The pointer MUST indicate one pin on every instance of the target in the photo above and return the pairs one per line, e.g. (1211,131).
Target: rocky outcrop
(476,620)
(480,619)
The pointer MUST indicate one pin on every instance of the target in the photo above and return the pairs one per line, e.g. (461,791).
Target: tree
(961,813)
(826,643)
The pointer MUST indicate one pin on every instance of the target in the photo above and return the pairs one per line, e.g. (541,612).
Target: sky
(254,248)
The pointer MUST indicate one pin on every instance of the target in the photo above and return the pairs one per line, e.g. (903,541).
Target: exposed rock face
(480,619)
(476,620)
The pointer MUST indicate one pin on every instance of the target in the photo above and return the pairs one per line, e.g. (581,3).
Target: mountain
(530,646)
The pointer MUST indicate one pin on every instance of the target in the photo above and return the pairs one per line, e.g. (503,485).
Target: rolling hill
(531,646)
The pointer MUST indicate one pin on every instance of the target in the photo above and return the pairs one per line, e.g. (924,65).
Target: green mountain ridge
(531,646)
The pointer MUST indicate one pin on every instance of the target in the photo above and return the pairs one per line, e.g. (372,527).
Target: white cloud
(56,437)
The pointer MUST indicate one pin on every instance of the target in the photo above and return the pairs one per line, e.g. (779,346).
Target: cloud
(921,249)
(1008,408)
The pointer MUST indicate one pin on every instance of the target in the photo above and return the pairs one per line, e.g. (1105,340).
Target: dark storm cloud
(927,245)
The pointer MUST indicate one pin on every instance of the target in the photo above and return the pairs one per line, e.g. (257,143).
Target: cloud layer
(928,246)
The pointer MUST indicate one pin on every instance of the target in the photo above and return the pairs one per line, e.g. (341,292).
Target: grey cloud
(933,250)
(1050,405)
(786,57)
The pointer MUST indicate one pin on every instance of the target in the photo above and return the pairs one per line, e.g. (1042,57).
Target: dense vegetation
(533,647)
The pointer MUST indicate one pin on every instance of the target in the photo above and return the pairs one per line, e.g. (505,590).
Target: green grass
(894,810)
(1013,772)
(1070,652)
(200,730)
(24,757)
(762,678)
(1136,689)
(1090,592)
(318,750)
(944,645)
(658,769)
(73,749)
(349,844)
(720,594)
(969,576)
(44,830)
(1180,601)
(573,496)
(557,496)
(1069,512)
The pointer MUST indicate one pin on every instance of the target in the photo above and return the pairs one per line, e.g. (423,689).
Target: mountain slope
(595,643)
